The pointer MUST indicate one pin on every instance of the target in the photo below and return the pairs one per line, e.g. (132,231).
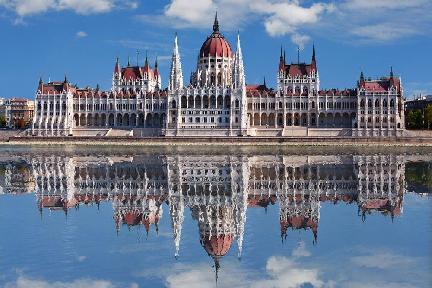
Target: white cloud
(287,17)
(279,17)
(383,260)
(383,21)
(193,14)
(280,272)
(286,273)
(81,34)
(300,40)
(23,282)
(383,4)
(202,275)
(86,6)
(359,20)
(30,7)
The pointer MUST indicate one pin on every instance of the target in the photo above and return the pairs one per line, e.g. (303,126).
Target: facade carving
(218,102)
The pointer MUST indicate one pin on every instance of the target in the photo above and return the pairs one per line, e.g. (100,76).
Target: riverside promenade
(243,141)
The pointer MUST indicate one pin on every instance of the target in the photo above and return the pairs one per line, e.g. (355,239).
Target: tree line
(420,118)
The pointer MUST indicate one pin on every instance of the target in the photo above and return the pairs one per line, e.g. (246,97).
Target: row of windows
(51,105)
(119,106)
(385,112)
(51,113)
(377,119)
(304,105)
(189,112)
(207,120)
(377,102)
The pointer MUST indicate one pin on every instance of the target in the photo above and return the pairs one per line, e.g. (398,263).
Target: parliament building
(218,102)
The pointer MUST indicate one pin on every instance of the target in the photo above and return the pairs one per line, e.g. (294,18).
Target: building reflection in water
(218,190)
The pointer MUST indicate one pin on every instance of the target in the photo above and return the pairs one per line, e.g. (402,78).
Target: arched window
(212,79)
(183,102)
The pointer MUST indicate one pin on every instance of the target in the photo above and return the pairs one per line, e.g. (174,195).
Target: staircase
(119,133)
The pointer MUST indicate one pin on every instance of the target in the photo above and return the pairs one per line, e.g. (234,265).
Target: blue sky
(82,38)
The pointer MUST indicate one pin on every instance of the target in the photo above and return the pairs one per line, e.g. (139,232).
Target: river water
(215,216)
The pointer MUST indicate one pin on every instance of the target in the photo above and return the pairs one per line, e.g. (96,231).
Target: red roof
(55,87)
(131,73)
(301,69)
(380,85)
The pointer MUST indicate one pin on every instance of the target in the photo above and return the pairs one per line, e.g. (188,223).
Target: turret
(281,61)
(176,75)
(238,71)
(313,63)
(117,69)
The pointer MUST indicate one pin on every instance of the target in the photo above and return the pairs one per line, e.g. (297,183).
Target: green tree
(2,121)
(428,116)
(415,119)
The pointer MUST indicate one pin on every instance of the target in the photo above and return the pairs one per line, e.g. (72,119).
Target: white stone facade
(217,102)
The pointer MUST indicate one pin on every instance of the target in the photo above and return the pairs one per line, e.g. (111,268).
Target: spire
(265,85)
(298,54)
(146,60)
(65,79)
(40,81)
(156,64)
(313,52)
(217,267)
(238,68)
(117,66)
(128,64)
(176,76)
(361,76)
(281,61)
(176,208)
(391,72)
(313,58)
(216,25)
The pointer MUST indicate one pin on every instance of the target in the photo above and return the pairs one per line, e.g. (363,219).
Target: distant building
(5,110)
(21,112)
(418,103)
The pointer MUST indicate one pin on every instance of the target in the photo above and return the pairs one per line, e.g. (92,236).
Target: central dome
(215,45)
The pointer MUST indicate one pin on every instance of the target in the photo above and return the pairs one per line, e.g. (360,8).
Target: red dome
(215,45)
(217,245)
